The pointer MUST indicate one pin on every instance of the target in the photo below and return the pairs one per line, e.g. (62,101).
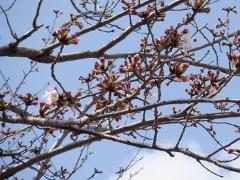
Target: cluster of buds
(66,98)
(205,84)
(102,67)
(119,106)
(53,99)
(170,39)
(102,102)
(132,66)
(151,8)
(111,84)
(196,87)
(62,35)
(177,68)
(189,77)
(199,6)
(29,99)
(211,76)
(74,21)
(235,58)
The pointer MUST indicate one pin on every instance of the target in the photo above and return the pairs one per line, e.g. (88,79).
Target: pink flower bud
(230,151)
(133,11)
(102,59)
(185,31)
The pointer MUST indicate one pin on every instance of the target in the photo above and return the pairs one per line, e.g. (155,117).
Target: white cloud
(160,166)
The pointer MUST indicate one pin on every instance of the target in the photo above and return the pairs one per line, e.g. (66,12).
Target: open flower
(187,42)
(51,96)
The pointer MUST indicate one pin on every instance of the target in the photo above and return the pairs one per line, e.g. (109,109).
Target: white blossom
(187,42)
(50,96)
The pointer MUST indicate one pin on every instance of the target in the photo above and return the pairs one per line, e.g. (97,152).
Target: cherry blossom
(187,42)
(51,96)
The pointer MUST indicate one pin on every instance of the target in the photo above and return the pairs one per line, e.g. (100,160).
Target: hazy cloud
(160,166)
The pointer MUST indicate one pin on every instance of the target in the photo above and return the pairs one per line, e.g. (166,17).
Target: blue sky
(107,156)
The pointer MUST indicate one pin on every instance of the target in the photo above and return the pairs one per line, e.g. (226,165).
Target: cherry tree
(178,68)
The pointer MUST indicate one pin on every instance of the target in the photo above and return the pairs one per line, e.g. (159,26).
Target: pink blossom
(51,96)
(187,42)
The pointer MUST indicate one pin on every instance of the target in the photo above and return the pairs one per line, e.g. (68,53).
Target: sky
(157,165)
(107,156)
